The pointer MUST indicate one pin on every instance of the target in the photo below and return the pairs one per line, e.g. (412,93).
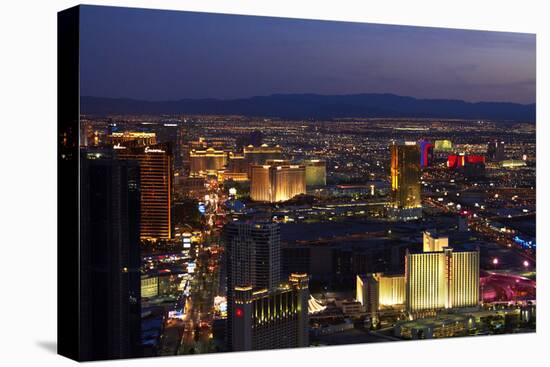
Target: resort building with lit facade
(156,175)
(441,278)
(206,162)
(437,278)
(277,181)
(263,312)
(271,319)
(136,137)
(376,292)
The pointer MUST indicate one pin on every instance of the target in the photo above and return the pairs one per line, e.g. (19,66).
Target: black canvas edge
(68,106)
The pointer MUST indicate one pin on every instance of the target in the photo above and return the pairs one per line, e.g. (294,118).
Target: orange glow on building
(275,183)
(156,174)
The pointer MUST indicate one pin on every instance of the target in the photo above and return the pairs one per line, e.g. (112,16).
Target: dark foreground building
(263,312)
(109,289)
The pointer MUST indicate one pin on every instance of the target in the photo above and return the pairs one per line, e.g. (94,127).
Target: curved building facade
(275,183)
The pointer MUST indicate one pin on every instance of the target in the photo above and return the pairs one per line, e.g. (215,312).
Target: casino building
(206,162)
(156,175)
(435,279)
(441,278)
(271,319)
(263,312)
(277,181)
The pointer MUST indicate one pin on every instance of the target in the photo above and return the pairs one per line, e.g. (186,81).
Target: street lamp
(526,263)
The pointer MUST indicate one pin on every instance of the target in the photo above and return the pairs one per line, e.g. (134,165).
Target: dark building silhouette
(495,151)
(109,289)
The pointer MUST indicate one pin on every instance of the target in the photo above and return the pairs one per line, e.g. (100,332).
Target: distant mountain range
(315,106)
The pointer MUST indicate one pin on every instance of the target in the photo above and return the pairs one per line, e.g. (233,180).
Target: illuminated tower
(271,319)
(156,174)
(441,279)
(253,259)
(277,182)
(405,180)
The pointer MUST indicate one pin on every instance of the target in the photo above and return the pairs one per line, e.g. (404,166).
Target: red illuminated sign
(456,161)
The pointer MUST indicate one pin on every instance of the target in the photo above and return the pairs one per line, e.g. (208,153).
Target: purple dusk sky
(168,55)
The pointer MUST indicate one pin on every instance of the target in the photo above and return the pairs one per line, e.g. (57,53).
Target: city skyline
(297,220)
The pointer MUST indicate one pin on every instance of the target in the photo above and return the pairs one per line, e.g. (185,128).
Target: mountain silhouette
(316,106)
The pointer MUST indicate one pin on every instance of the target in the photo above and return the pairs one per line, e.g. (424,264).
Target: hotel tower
(277,181)
(156,173)
(441,278)
(263,312)
(405,181)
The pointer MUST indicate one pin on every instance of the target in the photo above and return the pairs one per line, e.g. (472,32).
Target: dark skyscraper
(253,259)
(495,151)
(109,297)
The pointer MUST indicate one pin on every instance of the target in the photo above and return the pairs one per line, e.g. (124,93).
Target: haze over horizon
(304,93)
(158,55)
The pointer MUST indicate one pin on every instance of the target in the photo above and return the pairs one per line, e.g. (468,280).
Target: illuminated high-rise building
(316,172)
(206,162)
(441,280)
(405,180)
(253,259)
(277,182)
(262,312)
(156,175)
(271,318)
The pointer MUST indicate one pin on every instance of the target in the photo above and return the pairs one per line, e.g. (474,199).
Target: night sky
(165,55)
